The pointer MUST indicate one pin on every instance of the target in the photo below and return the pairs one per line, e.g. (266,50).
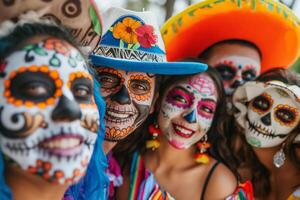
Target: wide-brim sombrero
(268,24)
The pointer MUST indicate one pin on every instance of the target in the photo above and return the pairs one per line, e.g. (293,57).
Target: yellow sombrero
(270,25)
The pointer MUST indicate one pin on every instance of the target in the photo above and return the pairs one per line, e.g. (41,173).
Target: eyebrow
(183,89)
(208,99)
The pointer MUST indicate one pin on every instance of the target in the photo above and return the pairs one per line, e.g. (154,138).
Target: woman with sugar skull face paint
(267,123)
(186,118)
(48,115)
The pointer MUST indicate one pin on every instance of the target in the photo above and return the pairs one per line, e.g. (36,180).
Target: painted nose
(191,117)
(237,83)
(66,110)
(122,96)
(266,120)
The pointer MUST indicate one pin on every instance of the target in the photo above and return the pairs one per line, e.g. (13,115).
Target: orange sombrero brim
(270,25)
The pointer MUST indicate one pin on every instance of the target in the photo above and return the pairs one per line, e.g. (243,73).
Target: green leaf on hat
(270,6)
(136,46)
(30,47)
(40,51)
(174,28)
(130,46)
(97,27)
(219,1)
(239,3)
(121,44)
(285,14)
(253,4)
(54,61)
(179,21)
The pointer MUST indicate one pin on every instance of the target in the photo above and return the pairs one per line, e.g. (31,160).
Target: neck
(168,155)
(36,188)
(108,146)
(265,156)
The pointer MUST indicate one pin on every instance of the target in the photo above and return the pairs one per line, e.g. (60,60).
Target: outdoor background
(166,8)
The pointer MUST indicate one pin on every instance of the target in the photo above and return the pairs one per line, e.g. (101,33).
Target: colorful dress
(114,174)
(143,185)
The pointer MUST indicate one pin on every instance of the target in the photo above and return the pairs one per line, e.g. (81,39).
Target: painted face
(48,117)
(187,110)
(236,70)
(271,117)
(128,97)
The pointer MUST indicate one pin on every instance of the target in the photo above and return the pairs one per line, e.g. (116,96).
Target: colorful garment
(114,174)
(143,185)
(295,195)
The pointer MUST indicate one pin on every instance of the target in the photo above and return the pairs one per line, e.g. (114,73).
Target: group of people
(110,106)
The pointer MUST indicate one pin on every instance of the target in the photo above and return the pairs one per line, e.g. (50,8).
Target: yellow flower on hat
(125,30)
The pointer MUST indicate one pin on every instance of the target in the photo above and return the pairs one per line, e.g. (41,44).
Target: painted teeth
(182,130)
(117,115)
(62,143)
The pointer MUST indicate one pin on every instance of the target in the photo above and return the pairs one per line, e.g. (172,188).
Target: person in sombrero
(240,39)
(128,63)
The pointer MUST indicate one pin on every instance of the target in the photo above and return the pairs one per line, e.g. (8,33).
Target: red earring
(202,156)
(154,131)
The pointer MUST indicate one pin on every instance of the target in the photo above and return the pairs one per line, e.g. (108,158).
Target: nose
(237,83)
(266,120)
(191,117)
(122,96)
(66,110)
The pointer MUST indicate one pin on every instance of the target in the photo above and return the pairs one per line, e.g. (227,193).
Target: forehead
(279,94)
(201,84)
(44,51)
(223,51)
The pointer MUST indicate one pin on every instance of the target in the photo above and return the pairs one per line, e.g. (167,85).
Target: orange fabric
(276,31)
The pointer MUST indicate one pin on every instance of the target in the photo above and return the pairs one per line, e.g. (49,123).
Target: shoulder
(221,180)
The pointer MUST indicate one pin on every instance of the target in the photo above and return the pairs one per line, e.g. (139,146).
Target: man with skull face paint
(268,114)
(48,116)
(235,37)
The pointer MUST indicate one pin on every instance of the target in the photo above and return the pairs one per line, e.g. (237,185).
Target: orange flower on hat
(146,36)
(125,30)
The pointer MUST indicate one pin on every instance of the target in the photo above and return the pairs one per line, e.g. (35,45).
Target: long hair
(245,155)
(216,133)
(93,185)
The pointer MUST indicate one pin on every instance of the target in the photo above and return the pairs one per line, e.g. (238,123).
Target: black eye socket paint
(82,89)
(32,86)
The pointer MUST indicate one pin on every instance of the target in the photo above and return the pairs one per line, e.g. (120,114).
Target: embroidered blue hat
(131,41)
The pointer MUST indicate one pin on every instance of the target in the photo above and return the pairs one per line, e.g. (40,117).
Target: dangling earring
(202,156)
(154,131)
(279,157)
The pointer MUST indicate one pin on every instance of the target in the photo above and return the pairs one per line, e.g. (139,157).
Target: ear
(154,103)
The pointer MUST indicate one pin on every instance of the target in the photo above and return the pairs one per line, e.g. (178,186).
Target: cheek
(169,110)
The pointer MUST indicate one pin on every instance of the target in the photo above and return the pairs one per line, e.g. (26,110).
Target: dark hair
(93,188)
(207,52)
(245,156)
(216,133)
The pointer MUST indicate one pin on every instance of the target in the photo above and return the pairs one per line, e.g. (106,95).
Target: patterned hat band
(129,54)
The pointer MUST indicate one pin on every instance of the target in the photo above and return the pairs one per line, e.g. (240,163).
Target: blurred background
(166,8)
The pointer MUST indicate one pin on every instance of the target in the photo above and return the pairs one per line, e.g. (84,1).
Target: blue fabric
(5,193)
(164,68)
(94,186)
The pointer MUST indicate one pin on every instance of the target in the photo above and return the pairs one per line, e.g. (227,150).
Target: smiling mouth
(62,145)
(260,130)
(117,116)
(183,131)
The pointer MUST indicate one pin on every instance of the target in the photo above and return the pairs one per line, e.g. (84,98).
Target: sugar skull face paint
(235,70)
(271,117)
(128,97)
(187,110)
(48,117)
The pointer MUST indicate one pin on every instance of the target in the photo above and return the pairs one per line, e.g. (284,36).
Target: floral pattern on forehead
(203,84)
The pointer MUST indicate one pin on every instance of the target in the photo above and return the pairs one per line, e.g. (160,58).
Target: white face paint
(48,117)
(271,117)
(235,70)
(187,110)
